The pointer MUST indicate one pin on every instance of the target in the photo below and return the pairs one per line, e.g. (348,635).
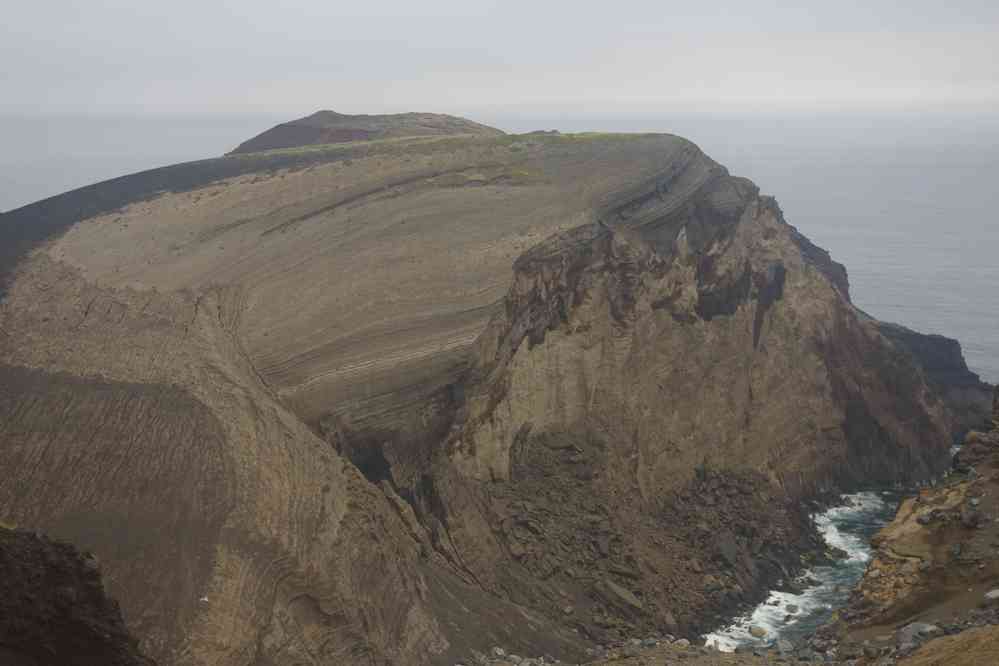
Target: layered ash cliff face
(935,568)
(297,407)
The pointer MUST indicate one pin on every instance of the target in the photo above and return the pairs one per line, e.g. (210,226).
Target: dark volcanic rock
(53,609)
(300,408)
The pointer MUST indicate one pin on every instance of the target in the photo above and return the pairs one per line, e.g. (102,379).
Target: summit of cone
(326,127)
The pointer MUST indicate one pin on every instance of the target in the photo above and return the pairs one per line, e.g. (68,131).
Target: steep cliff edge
(53,609)
(296,406)
(941,545)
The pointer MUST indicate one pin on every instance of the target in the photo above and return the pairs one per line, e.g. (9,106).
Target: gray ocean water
(908,203)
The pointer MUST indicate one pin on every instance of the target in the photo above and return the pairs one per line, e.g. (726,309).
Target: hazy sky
(293,56)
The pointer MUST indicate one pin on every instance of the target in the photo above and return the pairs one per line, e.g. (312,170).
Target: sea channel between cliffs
(794,611)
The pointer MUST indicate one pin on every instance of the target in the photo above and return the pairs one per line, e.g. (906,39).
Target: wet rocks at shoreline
(935,574)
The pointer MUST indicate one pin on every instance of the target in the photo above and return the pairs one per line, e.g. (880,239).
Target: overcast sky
(294,56)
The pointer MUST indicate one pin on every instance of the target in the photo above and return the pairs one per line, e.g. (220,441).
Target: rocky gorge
(401,398)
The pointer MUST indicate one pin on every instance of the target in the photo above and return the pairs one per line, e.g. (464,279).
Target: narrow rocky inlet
(794,611)
(866,603)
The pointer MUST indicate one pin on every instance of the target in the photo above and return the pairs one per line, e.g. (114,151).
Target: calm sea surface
(909,204)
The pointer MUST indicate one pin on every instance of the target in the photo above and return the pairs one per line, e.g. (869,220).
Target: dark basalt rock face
(53,609)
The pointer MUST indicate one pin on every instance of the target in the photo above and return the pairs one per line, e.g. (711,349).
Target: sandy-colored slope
(53,607)
(975,647)
(139,430)
(934,566)
(656,398)
(360,275)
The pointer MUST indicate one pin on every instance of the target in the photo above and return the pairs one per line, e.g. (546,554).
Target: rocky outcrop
(605,327)
(299,409)
(943,363)
(324,127)
(181,453)
(53,609)
(941,540)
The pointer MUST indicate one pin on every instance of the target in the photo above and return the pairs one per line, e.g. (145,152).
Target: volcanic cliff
(931,592)
(390,401)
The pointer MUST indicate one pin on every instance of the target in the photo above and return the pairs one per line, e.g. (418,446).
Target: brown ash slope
(297,406)
(326,127)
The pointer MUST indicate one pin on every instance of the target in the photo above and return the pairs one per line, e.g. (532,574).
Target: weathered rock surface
(941,542)
(974,647)
(936,565)
(965,394)
(53,609)
(297,407)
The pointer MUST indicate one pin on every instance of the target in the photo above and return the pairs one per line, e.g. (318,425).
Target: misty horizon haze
(111,56)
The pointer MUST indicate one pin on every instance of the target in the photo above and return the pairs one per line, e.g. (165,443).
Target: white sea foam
(815,602)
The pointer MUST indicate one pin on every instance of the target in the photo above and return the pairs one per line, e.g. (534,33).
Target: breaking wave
(848,527)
